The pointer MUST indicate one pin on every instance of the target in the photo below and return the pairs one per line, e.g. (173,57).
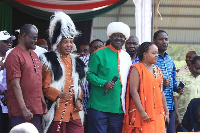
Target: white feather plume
(68,29)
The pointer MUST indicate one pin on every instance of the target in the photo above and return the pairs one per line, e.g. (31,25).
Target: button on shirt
(168,68)
(191,90)
(52,93)
(26,66)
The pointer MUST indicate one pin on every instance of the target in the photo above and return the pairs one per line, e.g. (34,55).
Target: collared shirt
(168,68)
(136,60)
(52,93)
(191,90)
(3,84)
(182,69)
(104,64)
(26,66)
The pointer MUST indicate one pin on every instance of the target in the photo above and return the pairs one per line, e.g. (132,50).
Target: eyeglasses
(34,38)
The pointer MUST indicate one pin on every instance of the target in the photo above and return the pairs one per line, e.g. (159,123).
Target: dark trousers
(171,127)
(102,122)
(85,124)
(4,122)
(73,126)
(36,121)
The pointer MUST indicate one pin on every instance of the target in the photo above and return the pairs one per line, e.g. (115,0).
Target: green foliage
(178,52)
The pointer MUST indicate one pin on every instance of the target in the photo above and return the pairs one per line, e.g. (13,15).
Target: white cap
(118,27)
(24,128)
(4,35)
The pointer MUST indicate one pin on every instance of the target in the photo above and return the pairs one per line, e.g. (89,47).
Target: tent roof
(180,19)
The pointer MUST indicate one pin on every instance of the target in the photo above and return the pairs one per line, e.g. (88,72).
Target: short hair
(144,47)
(26,29)
(108,42)
(94,41)
(195,59)
(157,33)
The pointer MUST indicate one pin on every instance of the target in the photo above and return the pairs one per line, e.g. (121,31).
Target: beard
(131,53)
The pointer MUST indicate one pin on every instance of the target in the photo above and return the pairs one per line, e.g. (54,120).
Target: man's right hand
(66,95)
(109,85)
(27,114)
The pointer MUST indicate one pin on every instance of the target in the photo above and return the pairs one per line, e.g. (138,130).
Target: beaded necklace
(153,66)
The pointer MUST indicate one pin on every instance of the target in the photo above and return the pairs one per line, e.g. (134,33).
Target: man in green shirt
(105,112)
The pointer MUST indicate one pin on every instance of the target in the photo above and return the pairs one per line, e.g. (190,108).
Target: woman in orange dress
(146,108)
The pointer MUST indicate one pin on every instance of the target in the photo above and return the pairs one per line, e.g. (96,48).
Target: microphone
(113,81)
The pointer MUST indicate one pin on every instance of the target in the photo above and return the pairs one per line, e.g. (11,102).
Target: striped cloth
(85,86)
(168,68)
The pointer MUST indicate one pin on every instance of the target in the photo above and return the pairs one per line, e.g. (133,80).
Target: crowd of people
(100,89)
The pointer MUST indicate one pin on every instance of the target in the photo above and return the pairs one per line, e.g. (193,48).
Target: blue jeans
(171,127)
(102,122)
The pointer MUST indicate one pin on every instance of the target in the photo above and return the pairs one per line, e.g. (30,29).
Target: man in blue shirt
(167,66)
(131,47)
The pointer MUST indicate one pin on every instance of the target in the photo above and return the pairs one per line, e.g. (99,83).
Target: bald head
(189,57)
(132,45)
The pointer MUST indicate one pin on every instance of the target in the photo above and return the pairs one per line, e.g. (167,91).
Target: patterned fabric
(85,86)
(136,60)
(86,94)
(85,59)
(168,68)
(151,100)
(191,90)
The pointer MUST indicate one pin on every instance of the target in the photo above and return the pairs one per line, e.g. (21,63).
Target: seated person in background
(190,77)
(191,118)
(188,59)
(197,124)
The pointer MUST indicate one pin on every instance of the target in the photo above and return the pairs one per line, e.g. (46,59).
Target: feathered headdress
(61,26)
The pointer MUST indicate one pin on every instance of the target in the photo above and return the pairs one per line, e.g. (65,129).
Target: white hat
(24,128)
(4,35)
(61,26)
(118,27)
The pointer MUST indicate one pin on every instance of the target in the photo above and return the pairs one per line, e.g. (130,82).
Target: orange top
(52,93)
(150,96)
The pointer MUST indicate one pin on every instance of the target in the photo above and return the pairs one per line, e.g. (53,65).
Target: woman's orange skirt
(157,126)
